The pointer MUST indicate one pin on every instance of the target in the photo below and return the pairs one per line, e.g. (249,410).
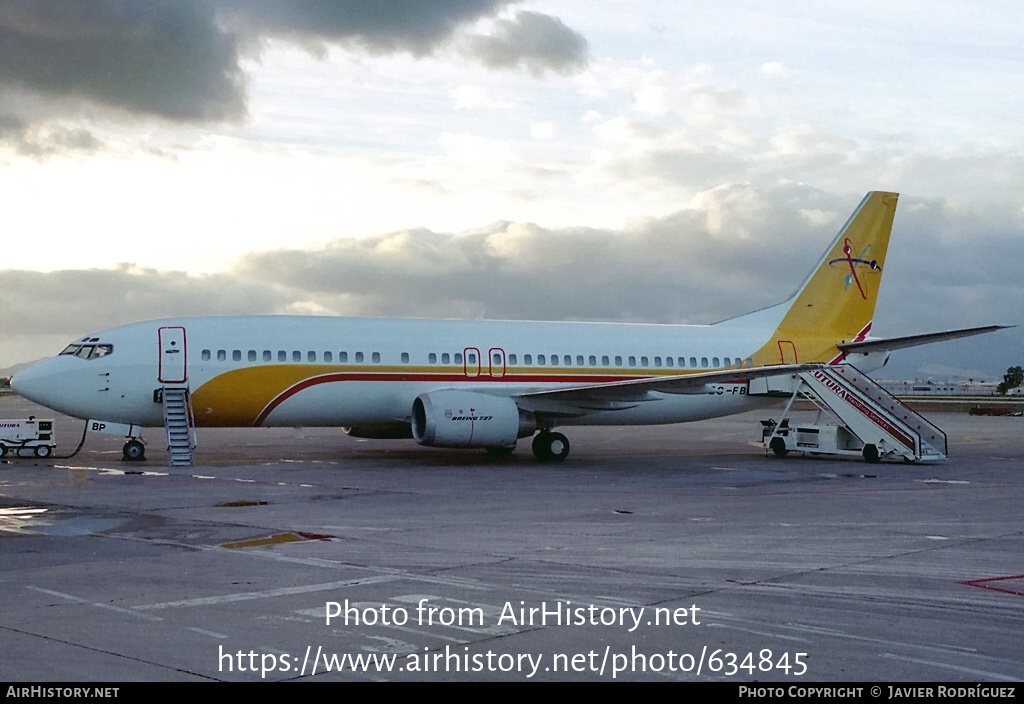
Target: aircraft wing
(622,395)
(898,343)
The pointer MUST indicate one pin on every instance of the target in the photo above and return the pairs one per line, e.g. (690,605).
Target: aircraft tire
(550,447)
(43,451)
(134,451)
(871,454)
(3,450)
(778,446)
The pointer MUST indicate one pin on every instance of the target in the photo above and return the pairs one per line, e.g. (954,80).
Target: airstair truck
(27,437)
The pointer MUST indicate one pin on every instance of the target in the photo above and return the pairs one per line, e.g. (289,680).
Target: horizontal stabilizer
(899,343)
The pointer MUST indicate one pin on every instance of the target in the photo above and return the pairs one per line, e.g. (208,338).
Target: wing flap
(622,395)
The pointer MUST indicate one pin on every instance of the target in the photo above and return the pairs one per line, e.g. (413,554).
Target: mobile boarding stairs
(178,421)
(874,423)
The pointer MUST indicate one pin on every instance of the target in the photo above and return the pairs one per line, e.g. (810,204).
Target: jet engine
(452,418)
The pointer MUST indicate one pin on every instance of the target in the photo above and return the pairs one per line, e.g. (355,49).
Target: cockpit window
(88,351)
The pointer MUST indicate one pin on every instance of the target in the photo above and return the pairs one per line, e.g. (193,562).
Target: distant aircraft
(481,383)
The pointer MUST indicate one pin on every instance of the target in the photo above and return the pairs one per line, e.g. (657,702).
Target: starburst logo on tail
(862,262)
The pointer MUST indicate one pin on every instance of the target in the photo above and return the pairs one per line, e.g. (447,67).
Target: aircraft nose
(34,383)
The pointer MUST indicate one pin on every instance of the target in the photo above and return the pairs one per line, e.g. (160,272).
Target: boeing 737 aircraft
(482,383)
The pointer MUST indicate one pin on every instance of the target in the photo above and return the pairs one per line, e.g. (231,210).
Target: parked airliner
(480,383)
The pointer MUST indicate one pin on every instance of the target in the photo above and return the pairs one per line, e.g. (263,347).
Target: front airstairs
(885,426)
(177,405)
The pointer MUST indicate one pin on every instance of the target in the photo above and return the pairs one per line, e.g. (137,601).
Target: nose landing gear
(133,451)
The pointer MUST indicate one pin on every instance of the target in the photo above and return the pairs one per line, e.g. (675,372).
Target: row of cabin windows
(606,361)
(294,356)
(496,359)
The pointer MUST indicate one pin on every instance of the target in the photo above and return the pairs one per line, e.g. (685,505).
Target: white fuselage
(325,371)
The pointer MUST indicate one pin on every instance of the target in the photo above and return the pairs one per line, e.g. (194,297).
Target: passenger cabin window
(328,356)
(252,355)
(205,355)
(528,359)
(359,357)
(512,359)
(268,356)
(432,358)
(376,357)
(405,358)
(236,355)
(343,357)
(446,358)
(541,360)
(282,356)
(222,355)
(311,356)
(618,361)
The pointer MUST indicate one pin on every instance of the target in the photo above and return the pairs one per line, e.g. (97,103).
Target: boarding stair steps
(874,415)
(178,423)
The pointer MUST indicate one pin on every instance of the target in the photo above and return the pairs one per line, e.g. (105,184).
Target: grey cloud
(383,26)
(158,58)
(73,302)
(743,248)
(530,40)
(43,141)
(180,60)
(42,312)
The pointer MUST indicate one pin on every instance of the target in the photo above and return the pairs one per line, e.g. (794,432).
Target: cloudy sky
(567,160)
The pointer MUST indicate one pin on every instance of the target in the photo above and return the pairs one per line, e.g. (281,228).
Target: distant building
(928,387)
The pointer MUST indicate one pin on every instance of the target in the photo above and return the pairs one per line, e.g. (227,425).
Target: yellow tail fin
(837,301)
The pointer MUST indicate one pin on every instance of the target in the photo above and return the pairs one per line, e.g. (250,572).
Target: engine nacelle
(468,419)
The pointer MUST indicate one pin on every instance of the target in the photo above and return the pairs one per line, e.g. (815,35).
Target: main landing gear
(550,447)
